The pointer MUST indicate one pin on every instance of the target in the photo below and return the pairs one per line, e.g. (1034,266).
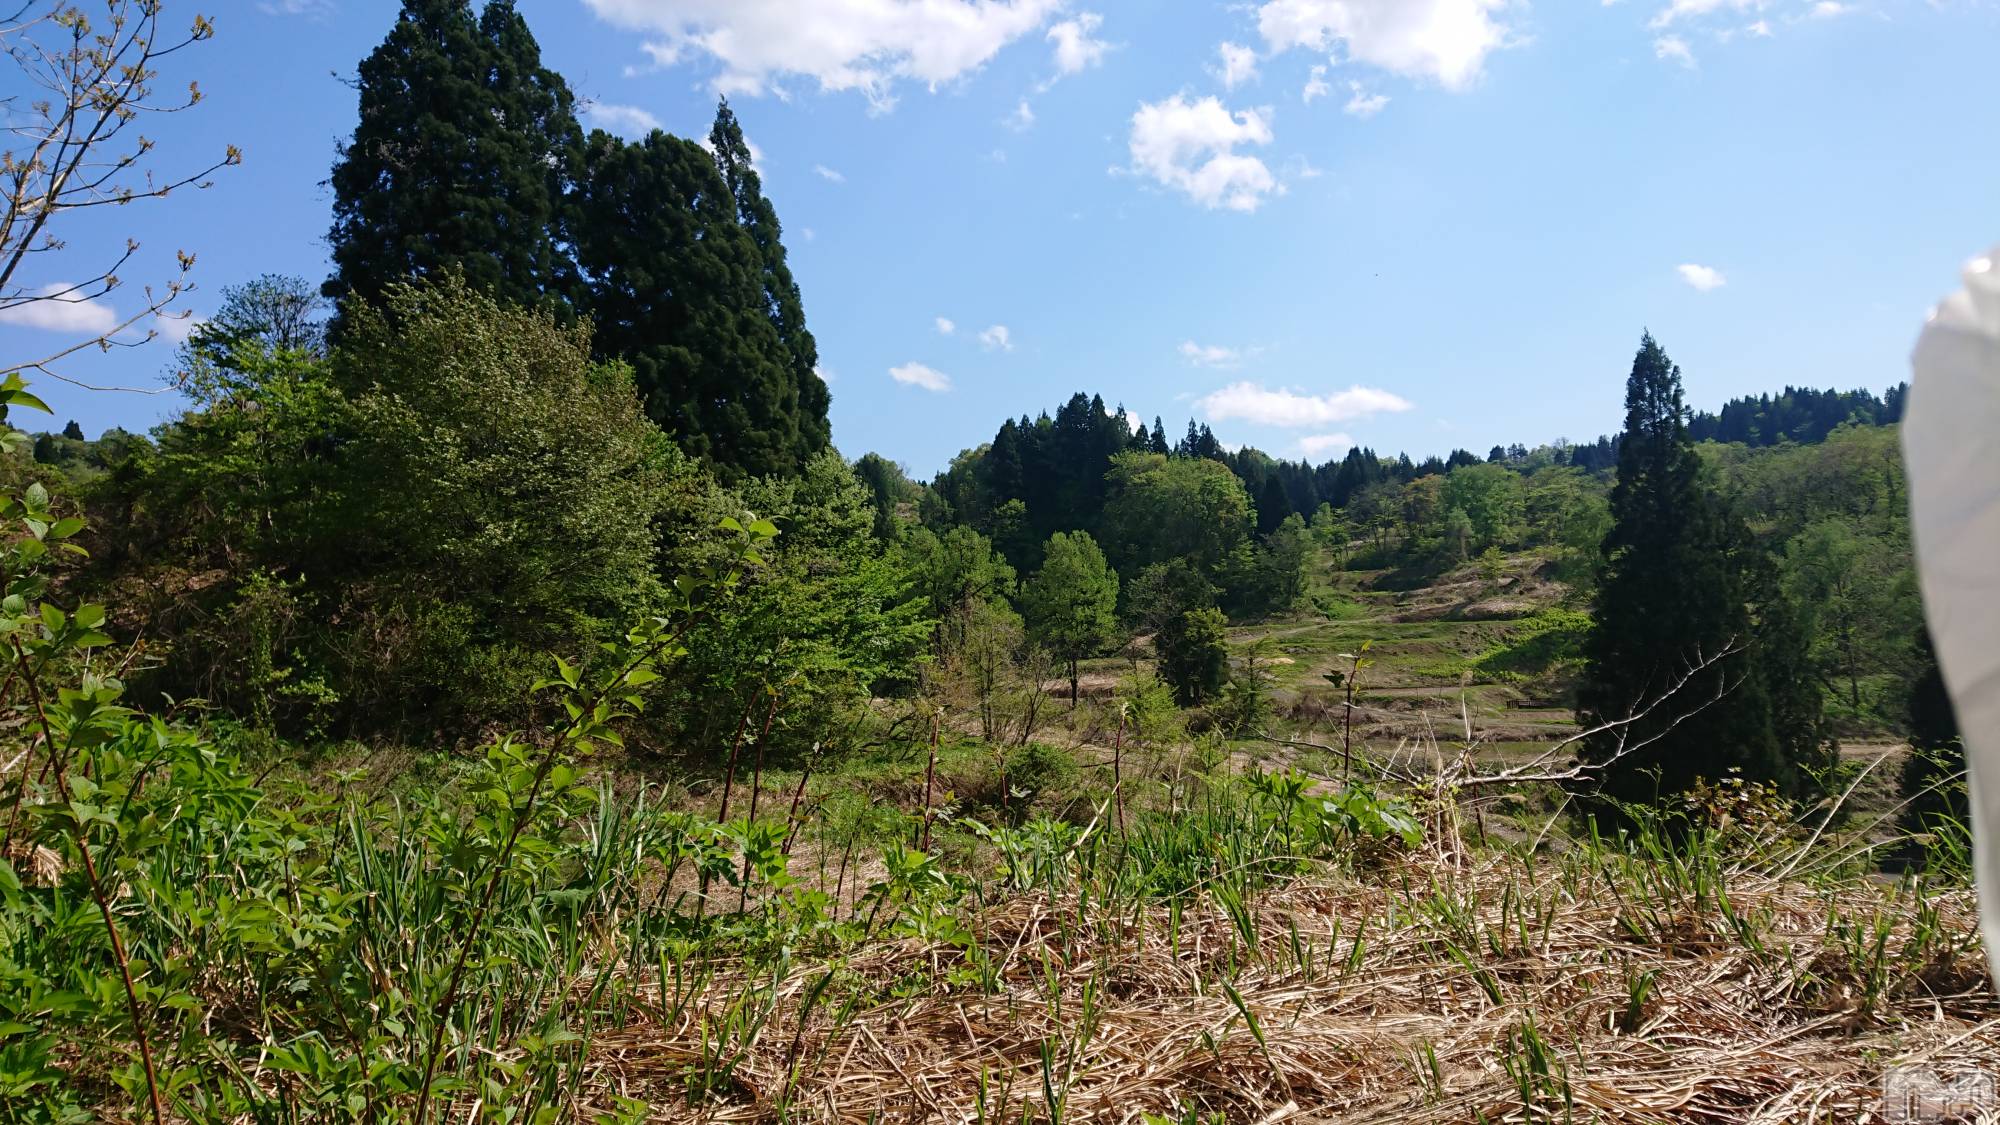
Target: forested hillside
(494,698)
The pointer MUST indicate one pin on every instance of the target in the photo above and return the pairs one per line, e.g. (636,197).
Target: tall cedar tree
(459,160)
(1679,584)
(781,293)
(677,286)
(1272,505)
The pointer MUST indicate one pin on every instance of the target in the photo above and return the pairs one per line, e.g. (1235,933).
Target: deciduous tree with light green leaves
(1071,603)
(1162,508)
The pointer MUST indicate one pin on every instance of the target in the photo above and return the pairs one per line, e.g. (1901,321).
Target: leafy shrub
(1037,769)
(456,491)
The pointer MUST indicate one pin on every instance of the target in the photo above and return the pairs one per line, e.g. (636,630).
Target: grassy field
(1112,922)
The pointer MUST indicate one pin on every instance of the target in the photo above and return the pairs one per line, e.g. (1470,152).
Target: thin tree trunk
(792,816)
(930,772)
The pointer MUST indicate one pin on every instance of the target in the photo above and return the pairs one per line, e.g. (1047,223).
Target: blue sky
(1410,224)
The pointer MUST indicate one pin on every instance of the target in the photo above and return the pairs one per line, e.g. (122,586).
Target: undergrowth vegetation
(493,700)
(182,937)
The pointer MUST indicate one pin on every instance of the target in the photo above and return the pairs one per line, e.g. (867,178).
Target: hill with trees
(494,699)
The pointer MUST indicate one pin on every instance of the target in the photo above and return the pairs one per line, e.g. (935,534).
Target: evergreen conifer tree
(1684,596)
(1932,785)
(459,160)
(783,301)
(676,286)
(1272,505)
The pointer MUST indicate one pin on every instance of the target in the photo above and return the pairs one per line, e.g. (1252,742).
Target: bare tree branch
(72,145)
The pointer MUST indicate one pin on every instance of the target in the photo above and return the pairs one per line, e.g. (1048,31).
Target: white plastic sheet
(1951,443)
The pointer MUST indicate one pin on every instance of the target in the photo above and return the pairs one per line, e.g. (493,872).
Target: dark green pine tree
(459,160)
(1272,505)
(676,285)
(1933,782)
(1680,585)
(1159,442)
(781,293)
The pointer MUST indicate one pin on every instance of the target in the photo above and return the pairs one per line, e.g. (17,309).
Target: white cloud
(1297,167)
(1761,29)
(945,327)
(1695,9)
(862,45)
(1211,355)
(175,328)
(1239,65)
(1703,278)
(1076,49)
(1829,9)
(1363,104)
(1313,446)
(1316,86)
(314,9)
(1253,402)
(914,374)
(61,314)
(825,374)
(825,173)
(1675,48)
(997,338)
(624,120)
(1445,40)
(1191,147)
(1022,119)
(1137,423)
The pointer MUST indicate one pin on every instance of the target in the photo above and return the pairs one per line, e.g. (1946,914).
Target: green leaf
(23,398)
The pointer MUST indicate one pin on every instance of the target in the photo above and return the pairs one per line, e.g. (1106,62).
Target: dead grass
(1412,993)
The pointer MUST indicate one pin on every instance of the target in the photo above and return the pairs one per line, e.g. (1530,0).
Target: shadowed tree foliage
(1193,648)
(677,288)
(1272,505)
(891,490)
(1680,585)
(1931,781)
(459,160)
(781,293)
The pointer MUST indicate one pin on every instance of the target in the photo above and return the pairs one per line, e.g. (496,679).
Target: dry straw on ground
(1430,989)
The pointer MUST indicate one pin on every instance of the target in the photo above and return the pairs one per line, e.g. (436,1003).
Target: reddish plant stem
(97,892)
(756,788)
(792,814)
